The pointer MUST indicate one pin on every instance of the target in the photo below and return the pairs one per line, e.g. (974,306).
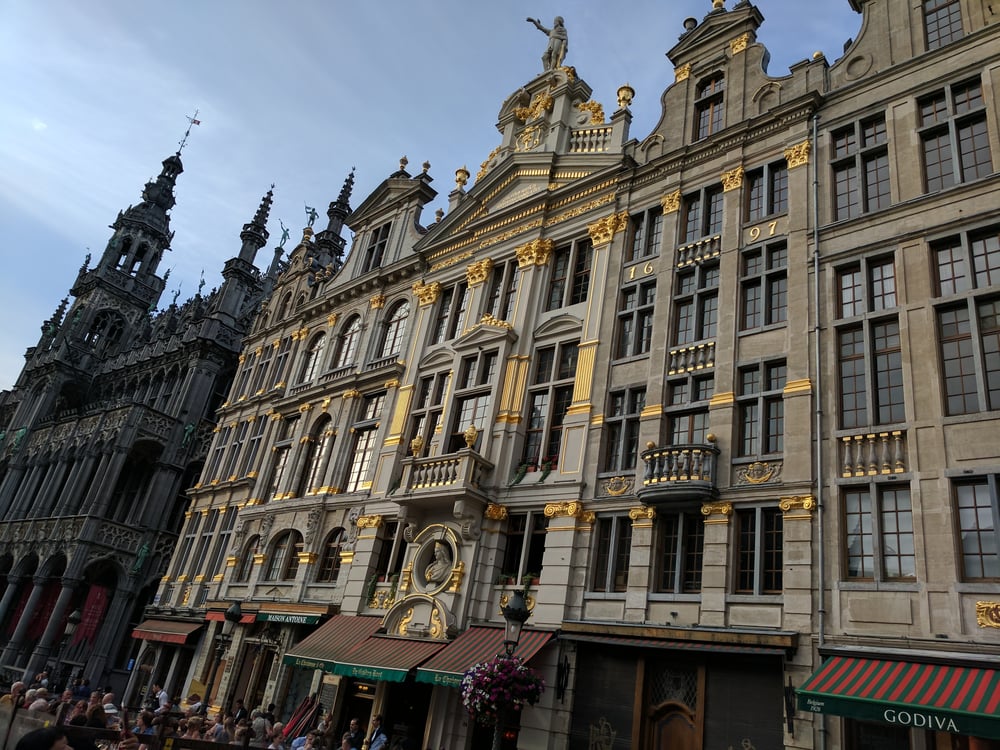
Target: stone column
(71,489)
(640,563)
(715,567)
(17,639)
(100,501)
(53,629)
(112,631)
(13,589)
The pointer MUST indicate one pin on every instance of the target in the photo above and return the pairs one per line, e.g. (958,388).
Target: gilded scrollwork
(616,486)
(740,43)
(427,294)
(596,110)
(603,230)
(377,302)
(712,509)
(541,102)
(988,614)
(476,273)
(798,155)
(571,509)
(370,522)
(671,202)
(682,72)
(496,512)
(759,472)
(733,179)
(534,253)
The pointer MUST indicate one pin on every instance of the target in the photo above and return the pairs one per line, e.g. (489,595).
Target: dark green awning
(386,659)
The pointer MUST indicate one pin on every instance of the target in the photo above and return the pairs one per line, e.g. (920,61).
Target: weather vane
(192,120)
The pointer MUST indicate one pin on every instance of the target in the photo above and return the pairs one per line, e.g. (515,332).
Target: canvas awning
(386,659)
(940,697)
(673,645)
(479,643)
(166,631)
(331,642)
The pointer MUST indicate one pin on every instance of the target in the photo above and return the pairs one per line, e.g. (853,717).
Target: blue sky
(96,95)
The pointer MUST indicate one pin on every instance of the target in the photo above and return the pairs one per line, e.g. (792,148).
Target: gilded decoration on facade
(799,507)
(370,522)
(988,614)
(529,138)
(427,294)
(496,512)
(716,509)
(454,260)
(759,472)
(682,72)
(377,302)
(485,166)
(331,319)
(461,178)
(603,230)
(625,96)
(798,155)
(733,179)
(616,486)
(534,253)
(740,43)
(478,272)
(541,102)
(596,110)
(671,202)
(642,517)
(489,319)
(570,509)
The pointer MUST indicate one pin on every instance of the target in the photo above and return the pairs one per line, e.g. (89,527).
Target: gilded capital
(671,202)
(427,294)
(798,154)
(534,253)
(603,230)
(331,319)
(733,179)
(370,522)
(352,393)
(711,509)
(570,509)
(682,72)
(496,512)
(642,516)
(377,302)
(476,273)
(804,502)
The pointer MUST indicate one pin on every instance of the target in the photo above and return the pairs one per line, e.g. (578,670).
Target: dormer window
(375,249)
(708,106)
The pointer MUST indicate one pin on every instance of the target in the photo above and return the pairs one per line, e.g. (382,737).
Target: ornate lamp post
(232,616)
(515,614)
(65,671)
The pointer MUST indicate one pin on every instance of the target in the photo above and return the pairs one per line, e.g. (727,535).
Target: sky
(96,94)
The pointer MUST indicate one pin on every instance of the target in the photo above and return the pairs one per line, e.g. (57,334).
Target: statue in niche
(438,569)
(555,53)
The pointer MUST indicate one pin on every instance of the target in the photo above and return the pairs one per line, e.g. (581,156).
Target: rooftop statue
(555,53)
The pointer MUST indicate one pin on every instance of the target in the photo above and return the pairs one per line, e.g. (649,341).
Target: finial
(201,283)
(167,275)
(192,120)
(403,161)
(426,165)
(718,4)
(625,96)
(461,177)
(260,218)
(177,293)
(438,215)
(345,191)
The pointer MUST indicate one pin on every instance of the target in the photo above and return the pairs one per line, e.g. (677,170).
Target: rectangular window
(375,249)
(860,168)
(281,362)
(222,539)
(477,376)
(425,419)
(390,546)
(942,22)
(764,286)
(953,132)
(503,290)
(878,533)
(182,560)
(249,463)
(977,512)
(709,106)
(766,191)
(205,537)
(621,428)
(612,549)
(702,214)
(549,397)
(761,409)
(970,345)
(647,230)
(363,449)
(260,371)
(687,410)
(229,470)
(525,546)
(758,551)
(696,303)
(222,438)
(635,320)
(569,282)
(451,312)
(680,543)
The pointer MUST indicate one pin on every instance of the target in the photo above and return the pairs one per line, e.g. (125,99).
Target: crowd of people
(167,717)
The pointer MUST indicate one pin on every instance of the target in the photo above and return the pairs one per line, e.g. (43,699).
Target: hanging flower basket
(502,683)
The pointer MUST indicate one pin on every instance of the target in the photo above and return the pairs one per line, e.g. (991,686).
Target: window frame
(282,563)
(502,290)
(374,253)
(764,286)
(942,117)
(877,531)
(610,554)
(328,569)
(702,214)
(634,322)
(348,343)
(363,446)
(547,395)
(393,333)
(688,399)
(757,559)
(524,545)
(473,396)
(695,304)
(859,165)
(452,311)
(709,106)
(766,192)
(646,234)
(760,405)
(570,274)
(990,484)
(938,33)
(686,554)
(622,423)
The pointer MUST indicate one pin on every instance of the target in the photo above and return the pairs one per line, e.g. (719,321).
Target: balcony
(441,481)
(874,453)
(679,473)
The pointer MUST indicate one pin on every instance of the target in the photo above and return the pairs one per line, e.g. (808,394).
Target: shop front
(900,703)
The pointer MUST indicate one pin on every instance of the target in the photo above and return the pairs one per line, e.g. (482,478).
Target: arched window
(394,330)
(329,563)
(320,446)
(105,332)
(245,563)
(314,354)
(283,560)
(286,302)
(347,343)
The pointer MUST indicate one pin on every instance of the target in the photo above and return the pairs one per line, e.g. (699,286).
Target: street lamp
(232,616)
(515,613)
(72,620)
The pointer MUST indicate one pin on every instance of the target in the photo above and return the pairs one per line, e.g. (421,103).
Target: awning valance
(245,619)
(941,697)
(386,659)
(166,631)
(332,642)
(673,645)
(479,643)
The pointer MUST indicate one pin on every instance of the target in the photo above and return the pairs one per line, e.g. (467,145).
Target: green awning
(478,643)
(386,659)
(331,642)
(939,697)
